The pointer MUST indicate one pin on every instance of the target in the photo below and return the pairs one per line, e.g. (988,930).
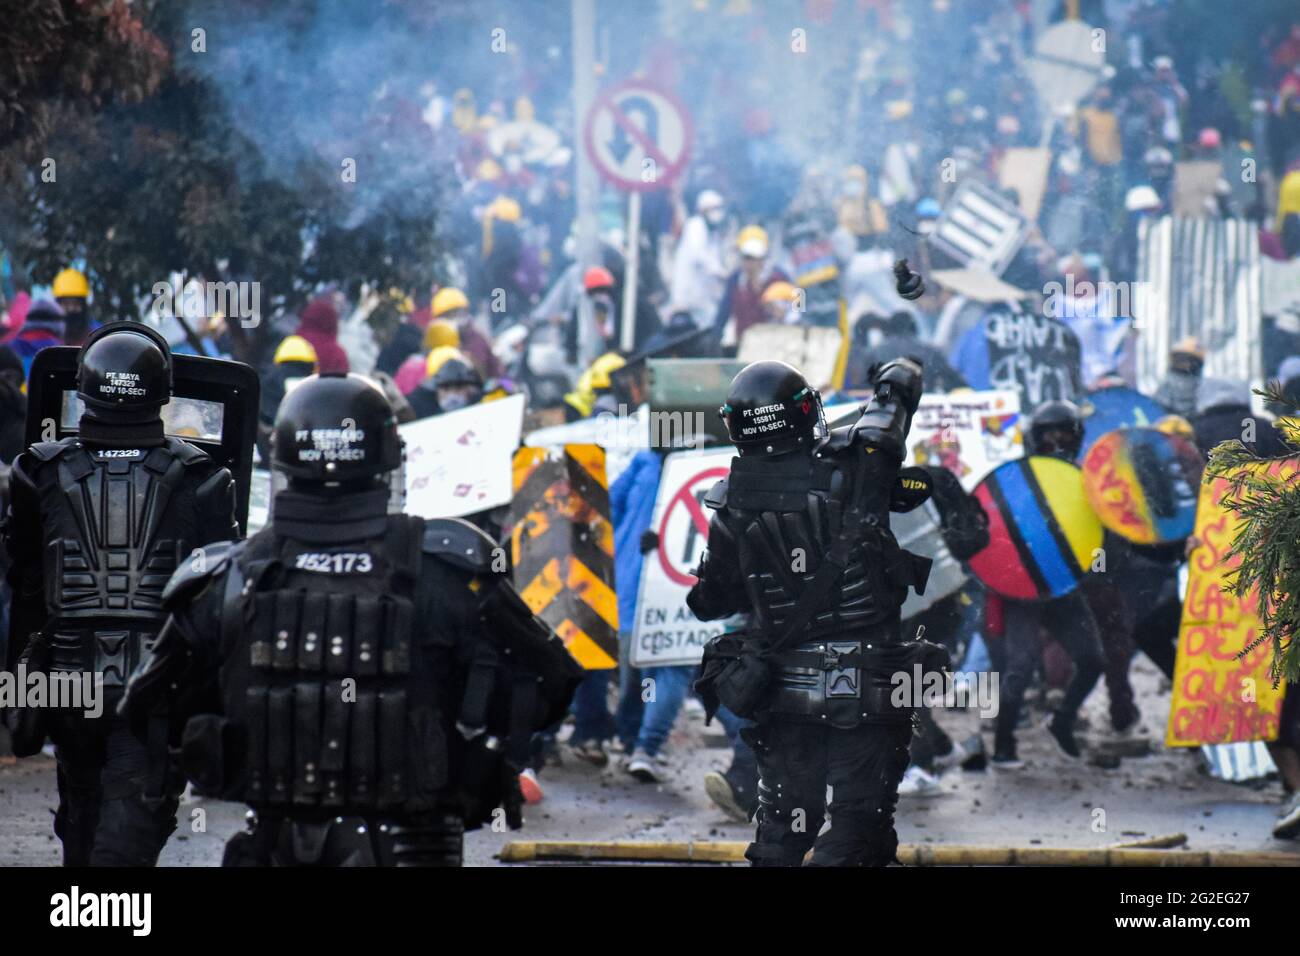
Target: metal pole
(586,185)
(633,262)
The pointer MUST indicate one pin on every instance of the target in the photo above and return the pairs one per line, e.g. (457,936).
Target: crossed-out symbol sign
(684,527)
(638,136)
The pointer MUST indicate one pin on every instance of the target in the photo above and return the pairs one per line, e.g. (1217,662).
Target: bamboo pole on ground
(726,851)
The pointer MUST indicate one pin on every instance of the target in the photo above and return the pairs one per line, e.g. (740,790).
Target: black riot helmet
(335,428)
(771,409)
(124,373)
(456,371)
(1056,429)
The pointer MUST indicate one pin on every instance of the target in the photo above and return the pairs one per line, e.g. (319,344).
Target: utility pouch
(212,753)
(734,675)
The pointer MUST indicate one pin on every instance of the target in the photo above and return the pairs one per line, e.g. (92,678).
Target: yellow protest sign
(1218,697)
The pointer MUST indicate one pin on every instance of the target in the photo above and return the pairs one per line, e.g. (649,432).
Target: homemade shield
(1219,696)
(562,543)
(1107,409)
(213,406)
(665,631)
(918,531)
(1142,484)
(684,398)
(1043,533)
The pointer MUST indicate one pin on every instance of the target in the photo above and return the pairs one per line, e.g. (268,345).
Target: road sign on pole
(638,136)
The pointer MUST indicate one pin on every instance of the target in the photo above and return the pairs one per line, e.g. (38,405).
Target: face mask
(453,401)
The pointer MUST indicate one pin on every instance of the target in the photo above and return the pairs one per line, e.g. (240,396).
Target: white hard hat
(708,199)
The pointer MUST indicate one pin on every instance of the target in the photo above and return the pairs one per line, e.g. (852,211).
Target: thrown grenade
(908,283)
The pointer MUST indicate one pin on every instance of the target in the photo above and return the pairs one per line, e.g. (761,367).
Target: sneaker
(1287,826)
(724,796)
(646,768)
(1004,758)
(592,751)
(969,755)
(919,783)
(529,786)
(1063,737)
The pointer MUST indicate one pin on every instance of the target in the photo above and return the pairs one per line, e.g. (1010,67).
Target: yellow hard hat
(779,292)
(598,374)
(295,348)
(440,357)
(441,333)
(505,209)
(447,300)
(752,241)
(71,284)
(1176,425)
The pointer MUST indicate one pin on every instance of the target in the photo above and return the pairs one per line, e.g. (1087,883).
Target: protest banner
(969,433)
(1220,697)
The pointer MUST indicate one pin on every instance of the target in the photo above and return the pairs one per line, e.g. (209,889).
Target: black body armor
(348,663)
(114,524)
(777,519)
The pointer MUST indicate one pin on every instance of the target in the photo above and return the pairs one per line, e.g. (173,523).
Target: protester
(699,270)
(319,325)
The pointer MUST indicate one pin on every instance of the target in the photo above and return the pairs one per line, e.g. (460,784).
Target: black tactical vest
(112,542)
(319,677)
(786,512)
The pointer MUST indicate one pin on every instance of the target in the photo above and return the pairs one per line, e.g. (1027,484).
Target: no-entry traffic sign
(638,136)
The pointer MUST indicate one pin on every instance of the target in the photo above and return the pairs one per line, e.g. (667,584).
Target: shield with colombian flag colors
(1043,534)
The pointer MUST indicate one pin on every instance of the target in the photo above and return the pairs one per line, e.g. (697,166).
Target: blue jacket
(632,508)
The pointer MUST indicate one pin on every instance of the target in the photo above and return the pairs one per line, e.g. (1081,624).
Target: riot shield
(213,406)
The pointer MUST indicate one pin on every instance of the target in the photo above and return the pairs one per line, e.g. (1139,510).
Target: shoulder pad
(187,453)
(717,496)
(459,543)
(50,450)
(839,438)
(196,570)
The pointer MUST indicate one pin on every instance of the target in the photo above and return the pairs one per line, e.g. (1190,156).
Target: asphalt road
(1051,802)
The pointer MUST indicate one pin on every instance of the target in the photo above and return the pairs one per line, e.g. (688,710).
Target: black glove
(649,542)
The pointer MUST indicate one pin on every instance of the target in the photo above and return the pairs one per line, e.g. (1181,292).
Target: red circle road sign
(638,136)
(685,505)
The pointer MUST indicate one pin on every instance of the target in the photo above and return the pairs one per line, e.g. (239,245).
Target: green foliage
(1268,536)
(155,174)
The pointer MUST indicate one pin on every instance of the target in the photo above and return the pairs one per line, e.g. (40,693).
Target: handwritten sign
(1219,698)
(1037,356)
(459,463)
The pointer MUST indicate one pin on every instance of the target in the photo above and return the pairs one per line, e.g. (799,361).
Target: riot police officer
(97,524)
(366,682)
(800,539)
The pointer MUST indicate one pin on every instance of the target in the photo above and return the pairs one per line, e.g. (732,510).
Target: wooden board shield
(1043,533)
(1142,484)
(562,542)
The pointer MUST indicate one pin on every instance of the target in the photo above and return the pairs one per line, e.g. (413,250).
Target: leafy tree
(155,174)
